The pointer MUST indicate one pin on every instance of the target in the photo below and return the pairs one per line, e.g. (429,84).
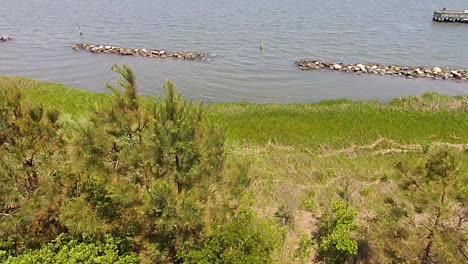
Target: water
(379,31)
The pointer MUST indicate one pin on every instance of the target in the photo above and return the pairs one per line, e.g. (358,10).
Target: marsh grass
(337,125)
(328,124)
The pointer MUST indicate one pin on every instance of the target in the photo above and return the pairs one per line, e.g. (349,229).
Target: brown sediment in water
(149,53)
(393,70)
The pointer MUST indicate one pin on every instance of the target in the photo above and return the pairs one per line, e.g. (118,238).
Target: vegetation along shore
(123,178)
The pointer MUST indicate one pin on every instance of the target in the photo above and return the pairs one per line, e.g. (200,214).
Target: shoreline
(83,92)
(304,125)
(49,89)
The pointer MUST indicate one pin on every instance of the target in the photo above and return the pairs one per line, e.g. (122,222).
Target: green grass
(329,124)
(75,102)
(337,125)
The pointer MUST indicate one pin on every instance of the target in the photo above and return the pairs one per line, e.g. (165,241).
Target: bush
(334,238)
(62,250)
(247,239)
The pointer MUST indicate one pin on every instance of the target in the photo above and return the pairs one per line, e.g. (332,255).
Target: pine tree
(140,167)
(31,146)
(146,170)
(434,187)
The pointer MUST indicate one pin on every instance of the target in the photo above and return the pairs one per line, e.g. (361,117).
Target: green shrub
(64,250)
(247,239)
(284,215)
(304,248)
(334,238)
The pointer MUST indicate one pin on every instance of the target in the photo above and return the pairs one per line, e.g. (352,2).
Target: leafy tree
(334,238)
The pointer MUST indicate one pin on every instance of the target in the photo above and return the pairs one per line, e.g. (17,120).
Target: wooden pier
(446,15)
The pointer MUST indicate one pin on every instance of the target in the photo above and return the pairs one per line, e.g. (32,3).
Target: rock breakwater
(149,53)
(4,38)
(393,70)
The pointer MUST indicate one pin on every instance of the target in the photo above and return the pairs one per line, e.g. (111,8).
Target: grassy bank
(328,124)
(301,157)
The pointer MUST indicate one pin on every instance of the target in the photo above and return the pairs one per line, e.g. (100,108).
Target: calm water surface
(365,31)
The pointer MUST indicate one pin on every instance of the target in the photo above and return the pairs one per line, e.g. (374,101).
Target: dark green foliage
(152,170)
(334,238)
(284,215)
(247,239)
(53,115)
(143,170)
(31,151)
(442,166)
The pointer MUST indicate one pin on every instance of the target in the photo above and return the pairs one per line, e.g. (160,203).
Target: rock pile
(149,53)
(4,38)
(395,70)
